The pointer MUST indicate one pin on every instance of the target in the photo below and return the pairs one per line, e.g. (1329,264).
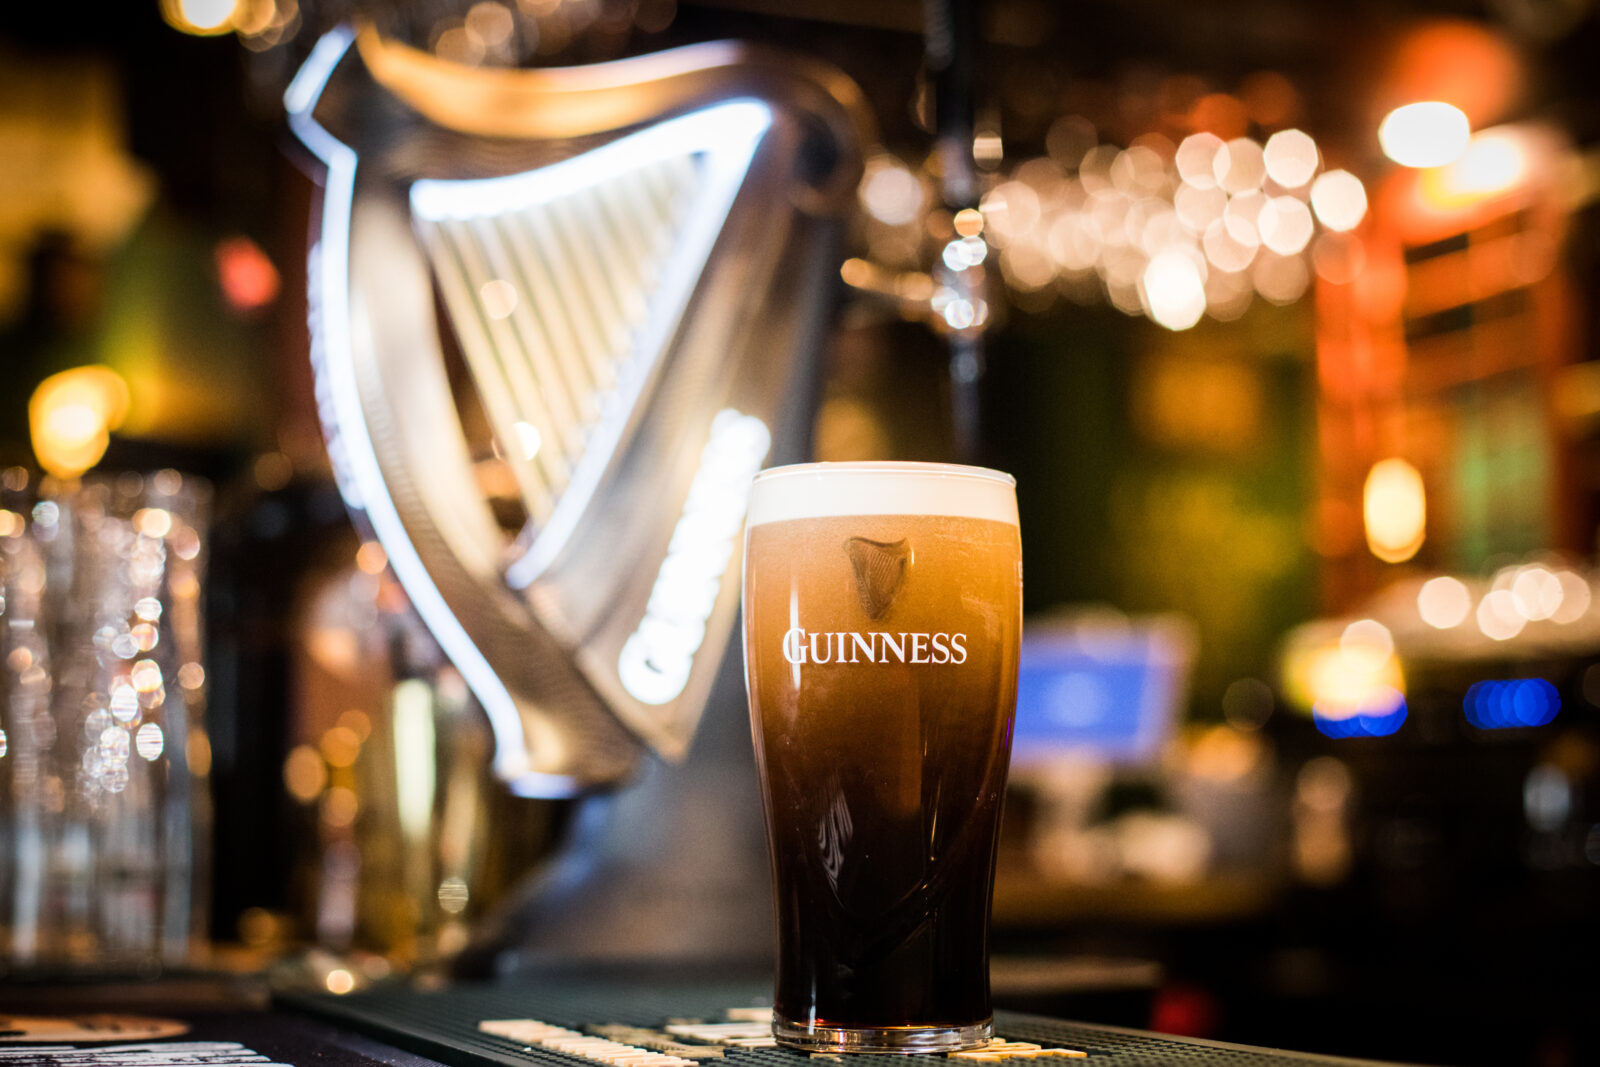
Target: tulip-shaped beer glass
(883,610)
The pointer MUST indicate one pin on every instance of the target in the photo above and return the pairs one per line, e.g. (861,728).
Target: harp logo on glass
(800,647)
(655,660)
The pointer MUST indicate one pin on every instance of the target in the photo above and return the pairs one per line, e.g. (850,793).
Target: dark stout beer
(881,654)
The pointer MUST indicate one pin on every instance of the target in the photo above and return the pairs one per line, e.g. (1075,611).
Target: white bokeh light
(1196,157)
(1239,166)
(1285,225)
(1575,598)
(1175,290)
(1011,209)
(148,741)
(1444,602)
(1426,134)
(1498,616)
(1230,245)
(1198,208)
(1339,199)
(891,193)
(1537,593)
(1280,279)
(1291,158)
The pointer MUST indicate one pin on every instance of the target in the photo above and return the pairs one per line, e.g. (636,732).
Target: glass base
(909,1040)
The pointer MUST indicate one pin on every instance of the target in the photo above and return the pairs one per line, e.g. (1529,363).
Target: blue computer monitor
(1107,690)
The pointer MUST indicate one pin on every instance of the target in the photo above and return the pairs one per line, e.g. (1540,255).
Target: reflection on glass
(107,811)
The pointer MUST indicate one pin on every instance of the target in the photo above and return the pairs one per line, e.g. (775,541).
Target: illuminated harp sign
(559,319)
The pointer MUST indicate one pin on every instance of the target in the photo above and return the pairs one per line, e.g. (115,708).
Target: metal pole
(951,59)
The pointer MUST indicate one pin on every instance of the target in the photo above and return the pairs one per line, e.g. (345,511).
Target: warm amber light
(339,807)
(1495,162)
(371,558)
(203,18)
(357,722)
(71,416)
(1395,509)
(153,522)
(197,750)
(340,746)
(304,773)
(1355,675)
(1367,643)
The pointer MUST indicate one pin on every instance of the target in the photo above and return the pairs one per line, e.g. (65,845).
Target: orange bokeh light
(1459,62)
(248,278)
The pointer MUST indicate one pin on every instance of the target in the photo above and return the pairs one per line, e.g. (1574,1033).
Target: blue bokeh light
(1381,717)
(1511,703)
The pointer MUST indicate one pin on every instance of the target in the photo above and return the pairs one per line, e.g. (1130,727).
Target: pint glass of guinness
(883,610)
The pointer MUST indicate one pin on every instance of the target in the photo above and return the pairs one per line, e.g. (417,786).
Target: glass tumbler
(104,805)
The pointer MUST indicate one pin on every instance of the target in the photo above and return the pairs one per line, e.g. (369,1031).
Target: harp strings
(546,300)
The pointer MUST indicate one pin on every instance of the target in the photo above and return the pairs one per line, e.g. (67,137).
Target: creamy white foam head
(822,490)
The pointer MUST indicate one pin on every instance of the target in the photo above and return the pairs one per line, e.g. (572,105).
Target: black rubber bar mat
(444,1025)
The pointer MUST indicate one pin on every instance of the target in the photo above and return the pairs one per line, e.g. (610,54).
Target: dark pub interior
(386,382)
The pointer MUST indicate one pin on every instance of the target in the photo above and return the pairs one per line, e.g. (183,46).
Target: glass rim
(913,467)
